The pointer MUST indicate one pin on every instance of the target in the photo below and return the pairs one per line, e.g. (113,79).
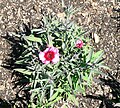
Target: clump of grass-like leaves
(58,61)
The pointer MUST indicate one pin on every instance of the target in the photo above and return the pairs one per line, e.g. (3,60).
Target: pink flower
(49,55)
(79,43)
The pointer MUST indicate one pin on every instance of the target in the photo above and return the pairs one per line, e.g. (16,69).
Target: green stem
(49,39)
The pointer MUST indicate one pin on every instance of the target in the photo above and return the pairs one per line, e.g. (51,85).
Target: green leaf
(59,90)
(54,96)
(85,77)
(57,34)
(51,90)
(33,39)
(23,45)
(95,71)
(17,35)
(69,80)
(50,66)
(31,105)
(26,53)
(89,56)
(89,79)
(63,4)
(73,99)
(24,71)
(63,46)
(20,61)
(99,58)
(50,38)
(86,49)
(79,88)
(36,89)
(96,55)
(82,88)
(105,67)
(42,96)
(50,103)
(37,30)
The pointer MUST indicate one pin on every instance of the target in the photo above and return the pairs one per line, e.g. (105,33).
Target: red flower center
(79,45)
(49,55)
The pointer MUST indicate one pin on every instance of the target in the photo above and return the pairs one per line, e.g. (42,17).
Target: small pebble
(0,62)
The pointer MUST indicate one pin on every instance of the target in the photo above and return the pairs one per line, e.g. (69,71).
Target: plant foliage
(49,83)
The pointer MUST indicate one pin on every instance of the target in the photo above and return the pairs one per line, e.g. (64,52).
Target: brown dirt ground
(101,17)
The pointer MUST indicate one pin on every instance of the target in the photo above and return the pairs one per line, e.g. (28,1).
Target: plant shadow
(115,91)
(20,81)
(4,104)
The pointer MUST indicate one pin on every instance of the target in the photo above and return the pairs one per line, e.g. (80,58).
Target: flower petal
(50,54)
(46,62)
(41,56)
(56,59)
(79,43)
(46,50)
(54,49)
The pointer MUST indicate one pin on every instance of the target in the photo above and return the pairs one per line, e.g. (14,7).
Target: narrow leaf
(59,90)
(17,35)
(54,96)
(69,80)
(99,58)
(56,100)
(20,61)
(89,56)
(37,30)
(96,55)
(73,99)
(24,71)
(105,67)
(33,39)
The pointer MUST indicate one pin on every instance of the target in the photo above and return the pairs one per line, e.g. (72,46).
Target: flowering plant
(51,54)
(58,61)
